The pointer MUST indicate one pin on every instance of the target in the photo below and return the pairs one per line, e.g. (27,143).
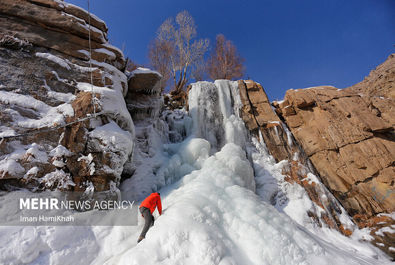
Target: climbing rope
(90,61)
(88,116)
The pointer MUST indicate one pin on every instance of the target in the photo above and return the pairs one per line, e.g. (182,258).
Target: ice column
(215,108)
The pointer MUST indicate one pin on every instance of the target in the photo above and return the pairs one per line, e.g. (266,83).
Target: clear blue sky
(286,44)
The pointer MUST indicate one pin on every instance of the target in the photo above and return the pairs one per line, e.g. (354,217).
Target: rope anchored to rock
(94,99)
(90,60)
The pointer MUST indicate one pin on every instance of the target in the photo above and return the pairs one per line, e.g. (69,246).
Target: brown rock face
(260,118)
(58,29)
(349,137)
(380,82)
(44,85)
(351,147)
(378,90)
(258,115)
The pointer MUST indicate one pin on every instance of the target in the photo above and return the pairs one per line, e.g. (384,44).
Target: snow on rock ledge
(45,79)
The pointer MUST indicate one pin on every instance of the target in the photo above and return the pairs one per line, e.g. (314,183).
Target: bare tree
(199,70)
(225,62)
(175,52)
(159,55)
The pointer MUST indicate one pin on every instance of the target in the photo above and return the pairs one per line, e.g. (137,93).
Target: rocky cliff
(262,121)
(349,137)
(351,147)
(346,137)
(64,121)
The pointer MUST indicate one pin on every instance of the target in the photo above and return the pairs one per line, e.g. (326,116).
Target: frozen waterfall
(212,214)
(215,110)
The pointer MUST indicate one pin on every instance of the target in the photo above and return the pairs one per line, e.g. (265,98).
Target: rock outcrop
(351,147)
(378,90)
(58,130)
(349,137)
(379,82)
(154,128)
(144,100)
(259,117)
(262,121)
(144,103)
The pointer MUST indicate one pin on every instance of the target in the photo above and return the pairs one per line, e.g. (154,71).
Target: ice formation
(214,109)
(216,192)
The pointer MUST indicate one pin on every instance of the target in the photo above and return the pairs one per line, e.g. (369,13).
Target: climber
(147,207)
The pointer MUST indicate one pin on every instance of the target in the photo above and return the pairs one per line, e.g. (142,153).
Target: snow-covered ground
(215,210)
(211,216)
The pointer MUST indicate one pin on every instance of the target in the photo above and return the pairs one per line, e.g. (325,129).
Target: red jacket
(151,202)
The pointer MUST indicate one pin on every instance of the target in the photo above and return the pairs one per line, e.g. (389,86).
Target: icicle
(289,134)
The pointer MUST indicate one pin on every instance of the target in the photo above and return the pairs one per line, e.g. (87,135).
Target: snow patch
(34,154)
(118,78)
(6,131)
(383,230)
(141,70)
(106,52)
(11,167)
(112,104)
(49,116)
(110,138)
(88,160)
(54,59)
(311,178)
(57,179)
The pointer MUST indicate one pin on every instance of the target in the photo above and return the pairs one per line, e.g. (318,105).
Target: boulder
(146,81)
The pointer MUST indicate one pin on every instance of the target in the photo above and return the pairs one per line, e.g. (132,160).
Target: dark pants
(149,220)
